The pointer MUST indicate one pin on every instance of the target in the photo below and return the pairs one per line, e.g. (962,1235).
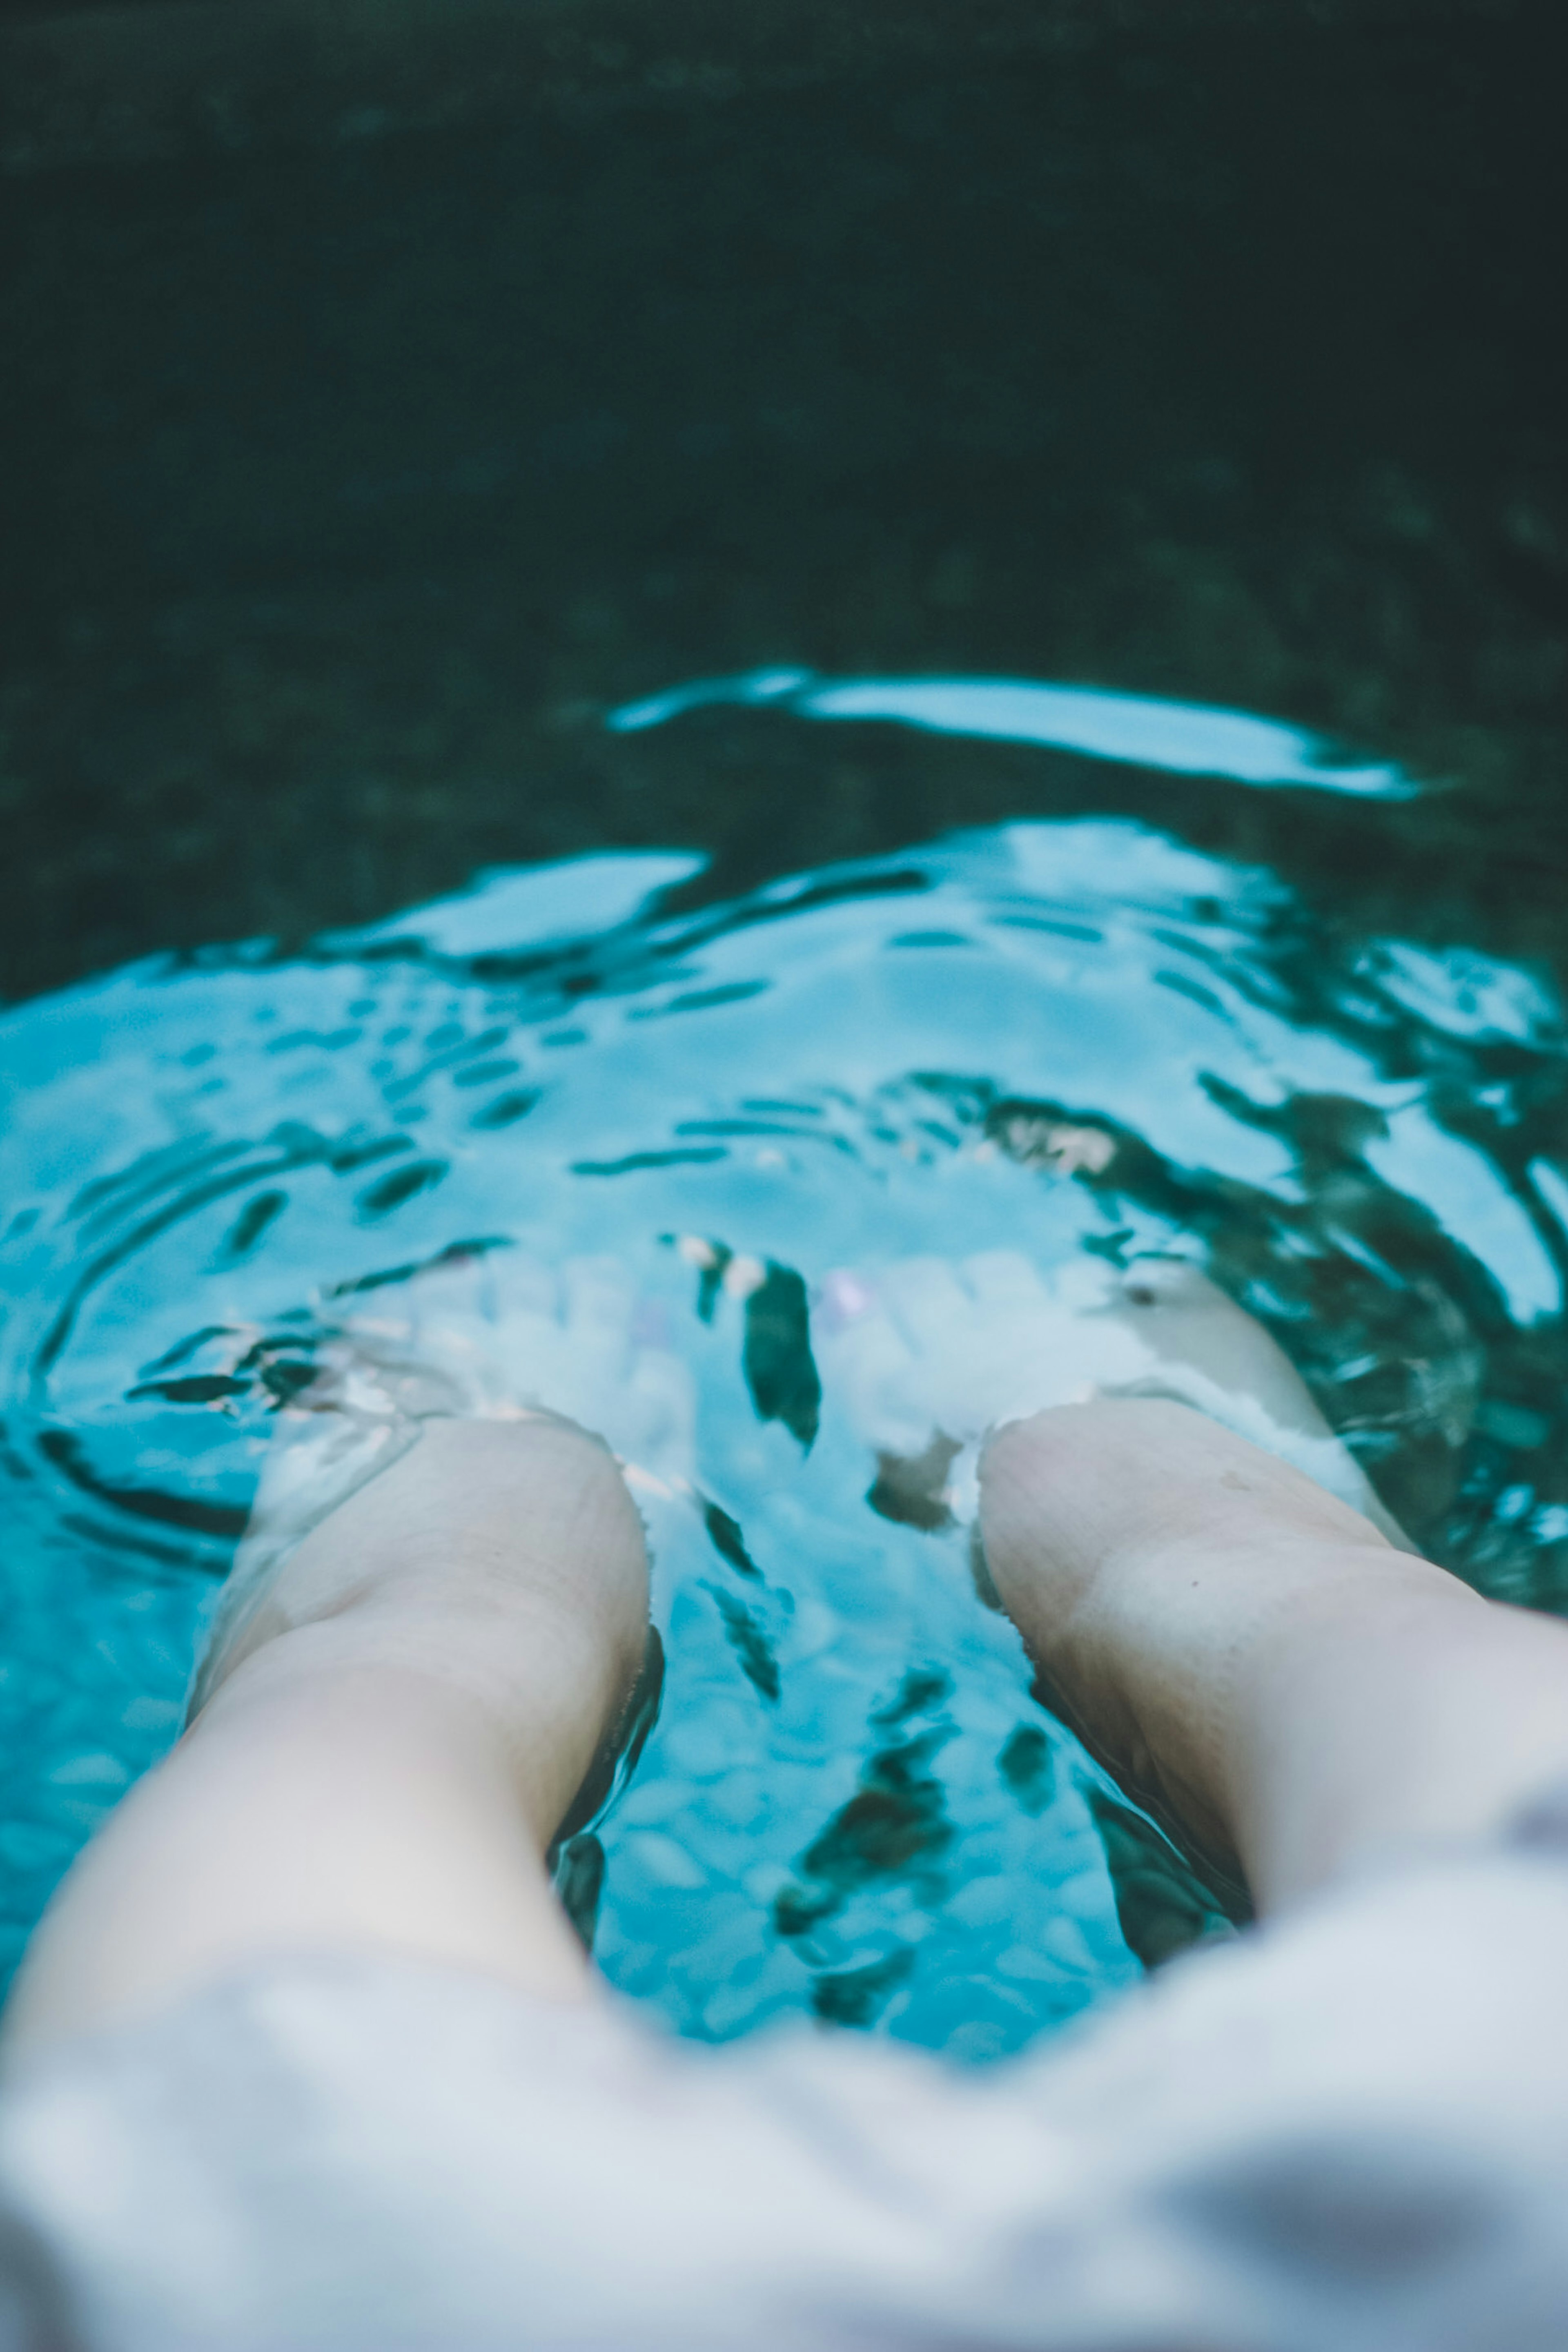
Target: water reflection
(1186,739)
(1071,1038)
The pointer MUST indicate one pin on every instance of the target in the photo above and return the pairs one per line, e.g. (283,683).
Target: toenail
(650,1324)
(844,1299)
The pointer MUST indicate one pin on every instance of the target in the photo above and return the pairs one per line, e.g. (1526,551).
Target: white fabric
(1347,2133)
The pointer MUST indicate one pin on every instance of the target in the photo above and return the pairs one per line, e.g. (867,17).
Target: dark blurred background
(387,390)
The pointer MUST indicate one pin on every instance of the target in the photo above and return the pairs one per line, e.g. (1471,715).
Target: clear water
(851,1805)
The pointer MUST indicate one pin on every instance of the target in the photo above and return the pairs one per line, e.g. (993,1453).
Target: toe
(598,1299)
(1003,1278)
(663,1402)
(521,1284)
(1155,1284)
(927,1300)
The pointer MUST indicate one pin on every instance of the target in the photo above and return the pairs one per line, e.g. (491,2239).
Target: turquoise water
(851,1805)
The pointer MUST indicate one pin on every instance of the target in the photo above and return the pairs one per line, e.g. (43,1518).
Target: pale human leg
(1255,1649)
(1250,1649)
(405,1691)
(386,1768)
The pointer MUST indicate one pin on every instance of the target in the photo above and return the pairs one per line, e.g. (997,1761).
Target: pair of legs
(388,1743)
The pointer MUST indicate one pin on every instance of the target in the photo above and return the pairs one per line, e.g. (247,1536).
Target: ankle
(477,1515)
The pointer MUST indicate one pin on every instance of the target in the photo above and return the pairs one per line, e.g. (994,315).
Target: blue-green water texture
(852,1806)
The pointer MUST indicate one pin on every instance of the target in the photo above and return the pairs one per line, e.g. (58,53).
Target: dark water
(354,478)
(1028,601)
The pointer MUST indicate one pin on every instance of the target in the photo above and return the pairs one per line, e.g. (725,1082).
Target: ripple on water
(1069,1037)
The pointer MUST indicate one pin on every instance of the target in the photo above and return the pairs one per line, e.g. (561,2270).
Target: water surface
(851,1805)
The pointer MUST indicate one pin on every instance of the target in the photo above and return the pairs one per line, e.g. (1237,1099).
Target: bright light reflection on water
(1186,739)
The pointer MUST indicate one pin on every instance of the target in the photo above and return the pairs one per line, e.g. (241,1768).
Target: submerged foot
(928,1356)
(535,1386)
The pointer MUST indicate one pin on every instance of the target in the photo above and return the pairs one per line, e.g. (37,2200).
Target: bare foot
(497,1337)
(928,1356)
